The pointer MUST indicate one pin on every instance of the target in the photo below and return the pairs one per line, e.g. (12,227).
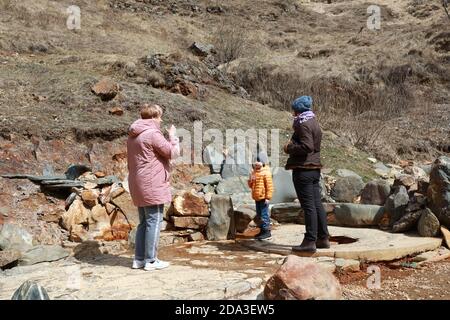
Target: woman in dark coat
(304,161)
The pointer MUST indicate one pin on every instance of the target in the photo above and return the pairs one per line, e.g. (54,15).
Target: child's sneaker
(156,265)
(265,235)
(138,264)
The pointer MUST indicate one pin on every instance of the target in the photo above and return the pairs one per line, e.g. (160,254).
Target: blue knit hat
(302,104)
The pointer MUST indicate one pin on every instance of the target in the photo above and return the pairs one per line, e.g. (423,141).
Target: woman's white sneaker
(138,264)
(156,265)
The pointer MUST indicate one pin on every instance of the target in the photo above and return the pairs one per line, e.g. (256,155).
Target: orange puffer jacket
(261,184)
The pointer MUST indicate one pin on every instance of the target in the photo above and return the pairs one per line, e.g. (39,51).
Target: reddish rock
(189,204)
(90,197)
(106,89)
(298,279)
(116,111)
(100,174)
(406,180)
(78,233)
(76,215)
(190,222)
(125,204)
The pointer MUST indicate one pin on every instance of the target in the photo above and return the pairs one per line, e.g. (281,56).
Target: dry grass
(354,108)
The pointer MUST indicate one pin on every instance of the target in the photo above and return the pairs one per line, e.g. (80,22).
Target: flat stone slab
(371,245)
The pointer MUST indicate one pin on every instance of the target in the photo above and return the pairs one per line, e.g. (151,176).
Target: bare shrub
(229,43)
(355,109)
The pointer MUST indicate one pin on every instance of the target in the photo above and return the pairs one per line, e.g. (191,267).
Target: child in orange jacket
(260,182)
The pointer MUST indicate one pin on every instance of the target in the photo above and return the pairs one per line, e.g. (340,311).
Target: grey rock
(213,157)
(358,215)
(15,238)
(428,225)
(132,238)
(30,290)
(209,189)
(43,253)
(221,224)
(284,190)
(210,179)
(407,222)
(286,212)
(201,49)
(241,198)
(344,173)
(233,185)
(347,189)
(76,170)
(439,190)
(38,47)
(427,168)
(243,215)
(381,169)
(375,192)
(396,204)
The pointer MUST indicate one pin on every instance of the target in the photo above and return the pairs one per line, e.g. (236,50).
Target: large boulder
(346,189)
(428,225)
(221,224)
(43,253)
(287,212)
(13,237)
(30,290)
(284,190)
(298,279)
(190,204)
(396,204)
(439,190)
(243,215)
(358,215)
(375,192)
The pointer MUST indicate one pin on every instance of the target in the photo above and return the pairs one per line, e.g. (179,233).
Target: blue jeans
(147,233)
(262,211)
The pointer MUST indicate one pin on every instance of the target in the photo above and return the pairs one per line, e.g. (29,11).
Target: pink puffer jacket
(149,155)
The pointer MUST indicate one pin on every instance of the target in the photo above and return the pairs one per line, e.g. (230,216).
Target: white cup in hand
(172,131)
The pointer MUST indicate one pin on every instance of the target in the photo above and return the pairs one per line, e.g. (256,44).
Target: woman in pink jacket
(149,155)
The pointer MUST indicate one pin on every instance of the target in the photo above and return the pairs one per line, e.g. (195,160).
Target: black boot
(306,246)
(323,243)
(264,235)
